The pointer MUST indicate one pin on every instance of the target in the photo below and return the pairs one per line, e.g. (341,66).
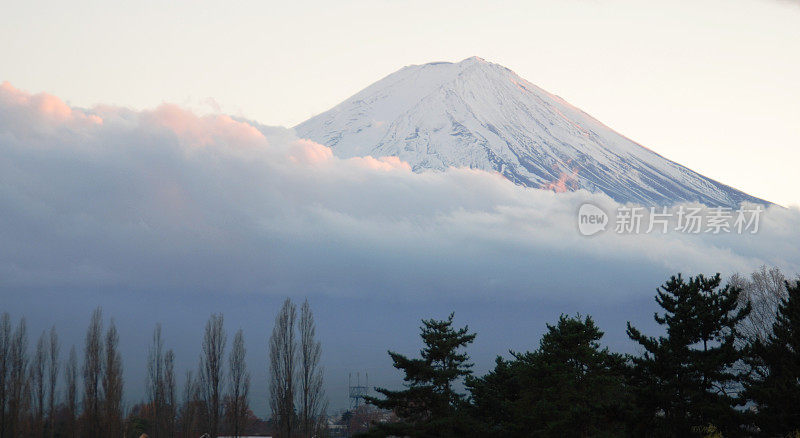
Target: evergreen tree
(429,406)
(775,384)
(570,386)
(496,398)
(685,382)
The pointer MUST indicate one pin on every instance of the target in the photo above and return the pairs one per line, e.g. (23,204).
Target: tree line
(43,395)
(727,363)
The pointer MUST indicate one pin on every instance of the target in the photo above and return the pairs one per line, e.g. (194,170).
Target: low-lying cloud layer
(168,200)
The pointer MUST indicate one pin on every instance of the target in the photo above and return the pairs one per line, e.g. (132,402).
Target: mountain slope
(482,115)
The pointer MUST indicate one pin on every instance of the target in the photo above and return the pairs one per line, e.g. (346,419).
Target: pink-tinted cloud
(206,130)
(43,106)
(381,163)
(308,152)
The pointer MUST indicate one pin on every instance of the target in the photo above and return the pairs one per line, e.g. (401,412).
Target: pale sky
(712,85)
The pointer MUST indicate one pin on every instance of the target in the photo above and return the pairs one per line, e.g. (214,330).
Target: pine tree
(685,380)
(775,384)
(429,406)
(495,399)
(570,386)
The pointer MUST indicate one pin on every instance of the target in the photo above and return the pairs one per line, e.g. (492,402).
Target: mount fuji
(482,115)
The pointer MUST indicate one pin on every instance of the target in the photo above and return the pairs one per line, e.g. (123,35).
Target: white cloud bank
(167,200)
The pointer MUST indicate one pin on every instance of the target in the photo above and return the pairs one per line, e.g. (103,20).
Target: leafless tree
(17,380)
(5,349)
(764,289)
(170,399)
(112,383)
(190,407)
(239,386)
(210,371)
(52,380)
(282,358)
(71,395)
(155,381)
(312,395)
(92,375)
(37,371)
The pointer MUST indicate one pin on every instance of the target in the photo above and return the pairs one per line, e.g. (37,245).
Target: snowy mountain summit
(482,115)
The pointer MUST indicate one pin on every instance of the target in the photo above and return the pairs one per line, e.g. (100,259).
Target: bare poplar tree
(189,406)
(312,395)
(112,383)
(239,382)
(764,289)
(52,380)
(17,387)
(170,401)
(282,357)
(92,374)
(71,395)
(37,371)
(210,372)
(5,349)
(155,381)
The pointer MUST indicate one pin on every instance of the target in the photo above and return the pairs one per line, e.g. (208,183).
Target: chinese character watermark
(681,219)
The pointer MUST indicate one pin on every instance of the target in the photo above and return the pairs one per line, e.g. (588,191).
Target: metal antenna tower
(357,391)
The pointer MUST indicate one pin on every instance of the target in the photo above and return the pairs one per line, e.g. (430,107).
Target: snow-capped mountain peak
(482,115)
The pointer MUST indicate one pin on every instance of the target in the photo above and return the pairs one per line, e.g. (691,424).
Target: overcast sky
(710,84)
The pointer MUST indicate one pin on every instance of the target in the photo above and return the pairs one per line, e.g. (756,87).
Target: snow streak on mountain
(482,115)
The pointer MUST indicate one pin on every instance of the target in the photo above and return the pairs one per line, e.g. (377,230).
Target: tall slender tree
(38,370)
(71,393)
(190,406)
(17,380)
(155,382)
(282,362)
(239,386)
(211,372)
(312,395)
(92,376)
(5,350)
(112,383)
(170,401)
(52,380)
(775,383)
